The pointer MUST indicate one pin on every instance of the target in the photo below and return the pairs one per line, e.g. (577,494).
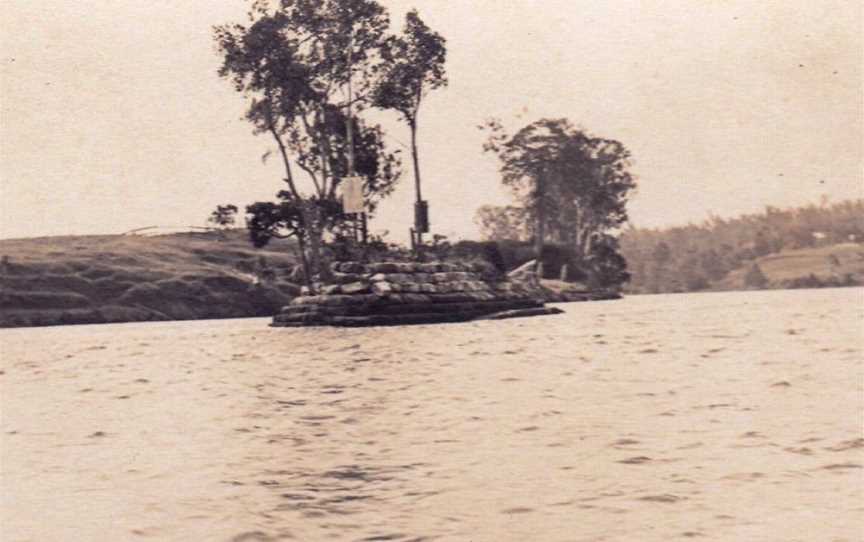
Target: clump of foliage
(413,66)
(224,216)
(302,65)
(571,188)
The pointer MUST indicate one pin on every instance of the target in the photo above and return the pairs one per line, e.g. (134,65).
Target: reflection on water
(715,416)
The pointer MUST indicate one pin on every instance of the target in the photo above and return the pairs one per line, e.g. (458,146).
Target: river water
(727,416)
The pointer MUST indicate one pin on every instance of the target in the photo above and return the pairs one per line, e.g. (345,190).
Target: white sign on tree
(352,195)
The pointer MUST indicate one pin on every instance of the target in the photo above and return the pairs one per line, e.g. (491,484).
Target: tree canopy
(301,65)
(413,66)
(573,187)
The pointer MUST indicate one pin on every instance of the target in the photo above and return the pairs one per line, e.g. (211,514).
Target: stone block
(396,299)
(399,277)
(355,288)
(345,278)
(331,289)
(383,267)
(305,318)
(428,288)
(443,287)
(416,298)
(334,300)
(382,288)
(367,300)
(352,267)
(307,299)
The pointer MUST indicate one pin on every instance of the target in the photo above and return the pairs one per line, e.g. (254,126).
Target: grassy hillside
(806,267)
(122,278)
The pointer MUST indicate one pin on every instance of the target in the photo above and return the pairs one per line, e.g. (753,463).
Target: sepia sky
(113,117)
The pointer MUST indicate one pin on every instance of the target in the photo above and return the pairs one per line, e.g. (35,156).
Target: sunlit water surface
(734,416)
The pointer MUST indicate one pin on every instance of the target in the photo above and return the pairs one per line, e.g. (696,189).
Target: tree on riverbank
(572,187)
(301,65)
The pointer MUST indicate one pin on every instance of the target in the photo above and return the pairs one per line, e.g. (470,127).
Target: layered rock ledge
(402,293)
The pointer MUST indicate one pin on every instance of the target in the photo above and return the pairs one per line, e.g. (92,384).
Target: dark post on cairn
(401,293)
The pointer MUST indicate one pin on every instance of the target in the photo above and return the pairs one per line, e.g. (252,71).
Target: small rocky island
(402,293)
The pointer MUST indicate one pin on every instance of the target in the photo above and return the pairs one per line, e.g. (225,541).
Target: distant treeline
(699,256)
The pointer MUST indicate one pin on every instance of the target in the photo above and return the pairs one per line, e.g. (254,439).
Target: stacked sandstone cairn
(399,293)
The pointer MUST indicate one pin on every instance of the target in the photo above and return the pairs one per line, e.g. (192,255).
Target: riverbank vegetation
(805,247)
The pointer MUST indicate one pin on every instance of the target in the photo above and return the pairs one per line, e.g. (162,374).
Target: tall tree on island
(571,185)
(295,63)
(413,65)
(530,160)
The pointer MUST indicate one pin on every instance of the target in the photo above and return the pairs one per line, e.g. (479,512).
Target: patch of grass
(42,300)
(117,278)
(825,263)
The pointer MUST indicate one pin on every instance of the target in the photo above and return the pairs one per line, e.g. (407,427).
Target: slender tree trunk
(312,222)
(540,234)
(307,274)
(349,128)
(324,147)
(289,176)
(349,135)
(416,160)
